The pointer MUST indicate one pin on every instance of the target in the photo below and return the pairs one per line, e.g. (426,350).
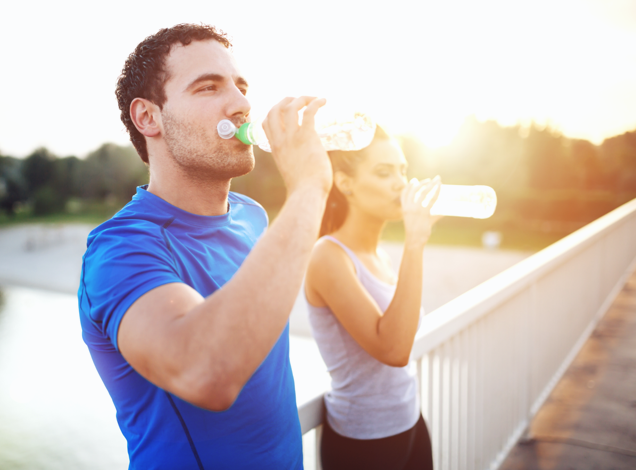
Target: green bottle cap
(243,133)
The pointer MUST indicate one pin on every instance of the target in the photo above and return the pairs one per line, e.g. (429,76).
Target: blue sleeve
(120,265)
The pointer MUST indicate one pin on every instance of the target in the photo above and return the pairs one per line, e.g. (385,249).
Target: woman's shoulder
(329,259)
(327,264)
(326,252)
(329,250)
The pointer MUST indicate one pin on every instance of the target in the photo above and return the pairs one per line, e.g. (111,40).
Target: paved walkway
(589,420)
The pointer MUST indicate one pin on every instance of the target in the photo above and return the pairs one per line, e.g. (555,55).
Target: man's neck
(195,195)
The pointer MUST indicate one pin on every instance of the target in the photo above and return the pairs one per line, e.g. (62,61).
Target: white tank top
(368,400)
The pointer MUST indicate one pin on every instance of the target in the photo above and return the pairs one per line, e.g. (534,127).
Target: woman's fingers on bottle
(432,193)
(403,195)
(421,191)
(407,193)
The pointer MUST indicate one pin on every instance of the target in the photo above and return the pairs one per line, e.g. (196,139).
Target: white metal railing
(488,359)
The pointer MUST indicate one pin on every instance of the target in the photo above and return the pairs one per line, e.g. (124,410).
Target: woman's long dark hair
(347,162)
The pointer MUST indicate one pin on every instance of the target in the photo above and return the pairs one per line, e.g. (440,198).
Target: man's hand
(297,150)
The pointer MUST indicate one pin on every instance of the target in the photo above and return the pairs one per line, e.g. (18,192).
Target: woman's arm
(331,280)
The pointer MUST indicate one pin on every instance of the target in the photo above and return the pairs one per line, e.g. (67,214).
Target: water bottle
(352,132)
(478,202)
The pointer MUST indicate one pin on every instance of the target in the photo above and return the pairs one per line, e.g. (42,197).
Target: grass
(91,218)
(469,235)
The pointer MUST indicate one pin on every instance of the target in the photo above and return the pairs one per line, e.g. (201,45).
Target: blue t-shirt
(150,243)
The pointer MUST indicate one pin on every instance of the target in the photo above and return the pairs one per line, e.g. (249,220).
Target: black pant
(409,450)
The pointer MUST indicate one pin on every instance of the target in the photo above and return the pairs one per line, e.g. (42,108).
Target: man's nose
(238,104)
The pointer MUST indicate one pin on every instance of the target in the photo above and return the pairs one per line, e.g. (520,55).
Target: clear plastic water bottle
(478,202)
(352,132)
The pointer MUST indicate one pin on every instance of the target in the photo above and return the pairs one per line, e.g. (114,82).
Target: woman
(363,320)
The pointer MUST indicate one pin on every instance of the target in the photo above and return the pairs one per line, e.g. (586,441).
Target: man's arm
(205,350)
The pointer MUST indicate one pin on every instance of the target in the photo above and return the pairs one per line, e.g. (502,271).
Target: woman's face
(378,181)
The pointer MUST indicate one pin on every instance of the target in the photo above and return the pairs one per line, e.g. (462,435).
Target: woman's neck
(361,232)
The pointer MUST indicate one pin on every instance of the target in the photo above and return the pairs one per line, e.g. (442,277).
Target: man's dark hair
(144,74)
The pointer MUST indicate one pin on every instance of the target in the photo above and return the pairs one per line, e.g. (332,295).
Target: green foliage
(12,185)
(47,201)
(37,169)
(43,184)
(547,185)
(111,172)
(618,155)
(264,183)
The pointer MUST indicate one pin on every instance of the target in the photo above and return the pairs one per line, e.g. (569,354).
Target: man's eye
(243,90)
(209,88)
(383,174)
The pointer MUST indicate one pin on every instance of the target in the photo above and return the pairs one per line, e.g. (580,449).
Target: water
(55,412)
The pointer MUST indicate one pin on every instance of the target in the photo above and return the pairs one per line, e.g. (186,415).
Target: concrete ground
(589,420)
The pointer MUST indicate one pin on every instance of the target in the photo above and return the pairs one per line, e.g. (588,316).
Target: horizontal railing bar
(452,317)
(311,413)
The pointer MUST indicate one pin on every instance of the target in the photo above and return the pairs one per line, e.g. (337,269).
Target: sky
(418,67)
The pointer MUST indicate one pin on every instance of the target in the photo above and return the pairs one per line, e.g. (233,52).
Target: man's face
(204,86)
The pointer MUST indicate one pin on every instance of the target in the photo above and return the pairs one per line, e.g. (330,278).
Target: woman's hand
(417,199)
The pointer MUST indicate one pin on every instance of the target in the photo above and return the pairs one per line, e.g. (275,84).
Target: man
(184,298)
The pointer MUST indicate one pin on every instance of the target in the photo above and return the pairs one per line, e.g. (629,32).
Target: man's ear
(342,182)
(146,116)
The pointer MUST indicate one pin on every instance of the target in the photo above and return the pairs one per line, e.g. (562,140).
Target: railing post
(531,338)
(420,382)
(318,439)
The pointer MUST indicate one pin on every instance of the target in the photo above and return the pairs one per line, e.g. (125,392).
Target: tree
(37,169)
(12,186)
(549,160)
(263,184)
(619,158)
(111,172)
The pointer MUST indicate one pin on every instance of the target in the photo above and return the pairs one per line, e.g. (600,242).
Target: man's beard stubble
(201,155)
